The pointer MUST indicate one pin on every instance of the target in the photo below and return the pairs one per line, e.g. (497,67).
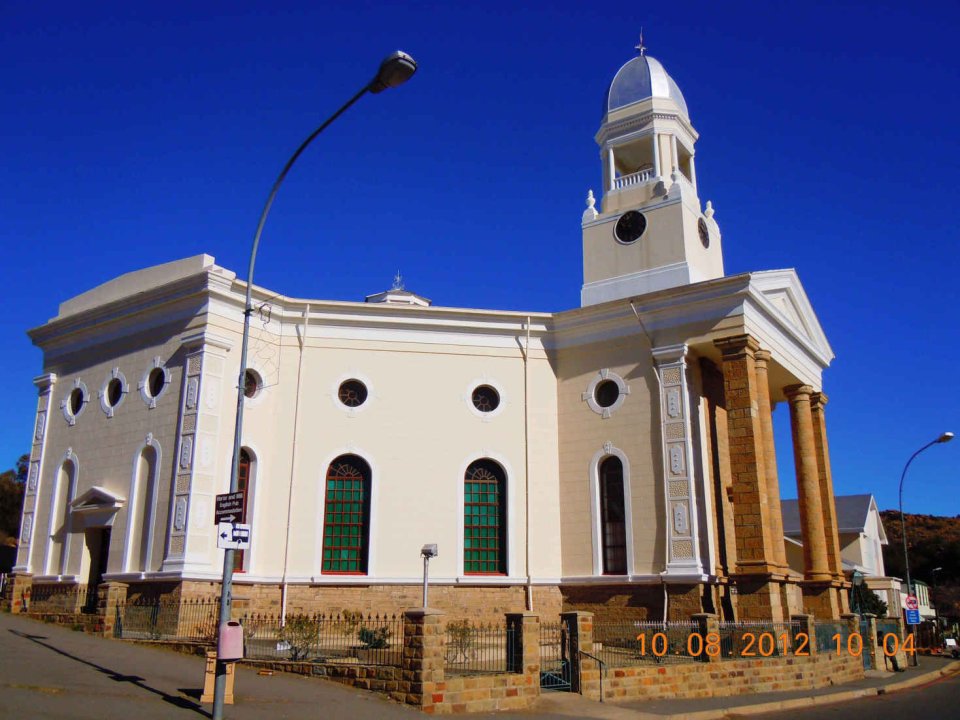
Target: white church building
(617,457)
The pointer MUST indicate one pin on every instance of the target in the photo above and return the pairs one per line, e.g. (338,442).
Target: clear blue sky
(137,133)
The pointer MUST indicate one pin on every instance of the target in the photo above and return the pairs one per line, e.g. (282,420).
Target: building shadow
(176,701)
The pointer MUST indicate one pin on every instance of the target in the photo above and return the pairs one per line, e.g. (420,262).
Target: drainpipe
(301,338)
(526,454)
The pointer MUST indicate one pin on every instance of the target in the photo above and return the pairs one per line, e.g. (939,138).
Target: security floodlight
(427,551)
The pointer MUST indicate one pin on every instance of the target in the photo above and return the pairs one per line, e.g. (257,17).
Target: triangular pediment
(787,301)
(97,499)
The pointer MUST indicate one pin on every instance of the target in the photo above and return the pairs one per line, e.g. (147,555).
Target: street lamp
(396,69)
(946,437)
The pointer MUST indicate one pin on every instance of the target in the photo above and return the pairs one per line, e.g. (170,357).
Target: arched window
(346,522)
(142,512)
(613,527)
(60,519)
(245,472)
(484,519)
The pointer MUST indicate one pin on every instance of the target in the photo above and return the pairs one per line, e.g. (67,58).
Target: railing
(756,639)
(476,649)
(625,643)
(635,178)
(602,666)
(349,638)
(171,621)
(832,635)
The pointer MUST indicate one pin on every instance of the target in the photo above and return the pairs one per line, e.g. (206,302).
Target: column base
(823,600)
(761,597)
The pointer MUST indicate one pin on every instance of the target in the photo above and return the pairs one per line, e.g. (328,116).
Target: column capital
(46,381)
(762,357)
(818,400)
(737,345)
(669,353)
(797,391)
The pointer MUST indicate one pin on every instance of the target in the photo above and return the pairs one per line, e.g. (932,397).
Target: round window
(704,232)
(155,381)
(485,399)
(76,401)
(252,383)
(352,393)
(606,393)
(114,392)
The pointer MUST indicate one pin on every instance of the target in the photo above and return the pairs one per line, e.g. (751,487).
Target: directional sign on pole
(913,617)
(229,508)
(233,537)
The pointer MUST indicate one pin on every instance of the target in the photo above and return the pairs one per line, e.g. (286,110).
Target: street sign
(911,603)
(913,617)
(229,508)
(233,537)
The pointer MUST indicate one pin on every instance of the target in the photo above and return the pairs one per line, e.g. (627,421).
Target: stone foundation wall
(478,604)
(722,679)
(614,603)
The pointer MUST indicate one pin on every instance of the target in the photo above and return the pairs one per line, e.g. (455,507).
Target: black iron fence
(626,643)
(171,621)
(473,649)
(756,639)
(62,599)
(348,638)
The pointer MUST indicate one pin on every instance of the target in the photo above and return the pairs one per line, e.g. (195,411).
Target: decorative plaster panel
(180,514)
(177,543)
(682,549)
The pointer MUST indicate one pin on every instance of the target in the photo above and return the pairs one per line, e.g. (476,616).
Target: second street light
(945,437)
(396,69)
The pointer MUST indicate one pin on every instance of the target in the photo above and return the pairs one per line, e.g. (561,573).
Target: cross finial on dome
(641,48)
(397,281)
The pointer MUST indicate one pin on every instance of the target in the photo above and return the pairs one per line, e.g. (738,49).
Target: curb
(815,700)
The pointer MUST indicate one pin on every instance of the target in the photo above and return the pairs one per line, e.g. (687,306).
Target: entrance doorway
(98,548)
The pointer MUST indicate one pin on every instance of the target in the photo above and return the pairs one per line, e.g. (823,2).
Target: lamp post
(396,69)
(945,437)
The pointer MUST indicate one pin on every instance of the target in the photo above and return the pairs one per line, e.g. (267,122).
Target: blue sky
(137,133)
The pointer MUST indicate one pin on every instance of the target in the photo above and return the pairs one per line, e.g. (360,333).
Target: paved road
(939,700)
(52,672)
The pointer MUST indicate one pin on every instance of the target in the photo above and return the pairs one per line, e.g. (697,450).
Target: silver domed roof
(641,78)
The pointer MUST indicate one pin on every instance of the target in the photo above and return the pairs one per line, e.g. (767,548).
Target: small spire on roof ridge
(397,281)
(641,48)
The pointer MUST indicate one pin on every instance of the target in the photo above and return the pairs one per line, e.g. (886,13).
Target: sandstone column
(817,403)
(815,559)
(762,357)
(758,597)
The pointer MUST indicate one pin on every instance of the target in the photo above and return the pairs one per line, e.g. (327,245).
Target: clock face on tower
(630,227)
(704,232)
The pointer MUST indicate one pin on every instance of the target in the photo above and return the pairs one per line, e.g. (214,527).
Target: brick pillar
(808,627)
(422,666)
(871,643)
(758,574)
(818,402)
(20,593)
(524,655)
(707,623)
(579,628)
(761,358)
(113,598)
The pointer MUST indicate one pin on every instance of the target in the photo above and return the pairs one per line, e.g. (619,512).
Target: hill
(934,546)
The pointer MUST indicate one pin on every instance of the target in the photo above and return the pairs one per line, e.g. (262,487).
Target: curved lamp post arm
(945,437)
(396,69)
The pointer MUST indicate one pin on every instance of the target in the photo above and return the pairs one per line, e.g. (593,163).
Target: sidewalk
(52,672)
(878,682)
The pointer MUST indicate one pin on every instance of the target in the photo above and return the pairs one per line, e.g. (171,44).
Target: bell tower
(651,232)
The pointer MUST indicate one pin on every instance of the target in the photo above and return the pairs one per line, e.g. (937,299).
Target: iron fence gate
(555,657)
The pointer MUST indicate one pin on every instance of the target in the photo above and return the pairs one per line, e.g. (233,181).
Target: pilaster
(525,653)
(683,537)
(31,497)
(191,535)
(113,597)
(422,664)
